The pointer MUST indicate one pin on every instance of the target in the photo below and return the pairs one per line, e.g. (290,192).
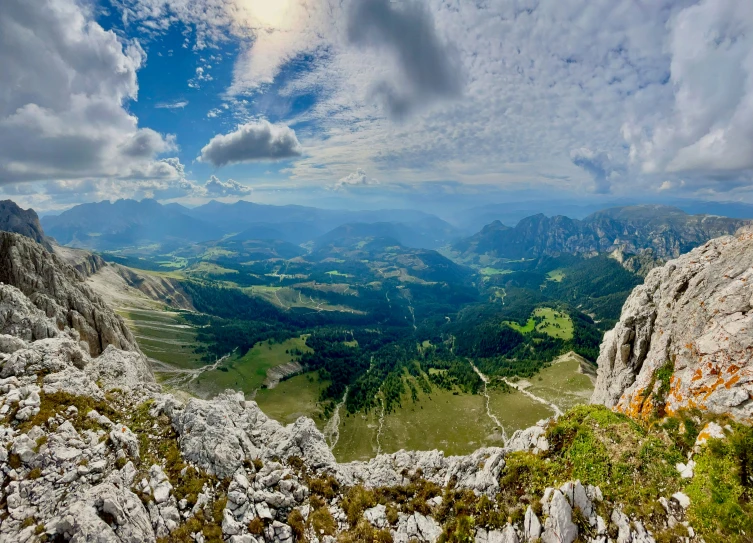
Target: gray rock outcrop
(692,319)
(61,293)
(22,221)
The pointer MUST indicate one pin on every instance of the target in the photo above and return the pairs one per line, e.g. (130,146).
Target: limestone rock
(694,314)
(61,293)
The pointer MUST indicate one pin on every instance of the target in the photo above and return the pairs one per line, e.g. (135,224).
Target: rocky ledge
(685,337)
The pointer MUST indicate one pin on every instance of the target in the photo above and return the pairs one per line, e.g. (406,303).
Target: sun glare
(269,13)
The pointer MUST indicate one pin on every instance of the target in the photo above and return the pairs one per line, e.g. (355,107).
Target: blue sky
(374,103)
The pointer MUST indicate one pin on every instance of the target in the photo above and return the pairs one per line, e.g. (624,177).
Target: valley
(385,344)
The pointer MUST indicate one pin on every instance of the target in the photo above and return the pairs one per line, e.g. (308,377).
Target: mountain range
(127,223)
(666,231)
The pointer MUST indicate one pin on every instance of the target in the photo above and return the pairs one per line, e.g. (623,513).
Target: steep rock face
(86,263)
(61,293)
(685,337)
(22,221)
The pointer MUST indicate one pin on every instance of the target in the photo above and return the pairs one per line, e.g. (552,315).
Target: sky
(376,103)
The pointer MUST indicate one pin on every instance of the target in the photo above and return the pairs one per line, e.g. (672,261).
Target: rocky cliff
(685,337)
(61,293)
(22,221)
(651,233)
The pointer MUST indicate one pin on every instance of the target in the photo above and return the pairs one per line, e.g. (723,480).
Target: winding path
(181,377)
(550,405)
(379,430)
(489,413)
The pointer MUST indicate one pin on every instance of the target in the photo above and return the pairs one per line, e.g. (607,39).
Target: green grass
(526,329)
(453,423)
(247,373)
(335,272)
(494,271)
(553,322)
(164,336)
(556,323)
(208,268)
(556,275)
(293,398)
(562,384)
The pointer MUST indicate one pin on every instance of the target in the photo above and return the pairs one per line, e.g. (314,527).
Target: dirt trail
(379,430)
(181,377)
(332,428)
(489,413)
(550,405)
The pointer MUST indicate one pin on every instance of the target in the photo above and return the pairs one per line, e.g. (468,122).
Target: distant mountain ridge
(667,232)
(123,223)
(128,223)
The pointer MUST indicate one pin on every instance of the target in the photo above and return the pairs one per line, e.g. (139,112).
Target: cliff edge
(685,337)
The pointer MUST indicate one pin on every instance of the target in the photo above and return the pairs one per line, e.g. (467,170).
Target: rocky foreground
(91,449)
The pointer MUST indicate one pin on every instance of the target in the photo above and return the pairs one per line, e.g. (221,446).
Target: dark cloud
(600,165)
(430,68)
(253,141)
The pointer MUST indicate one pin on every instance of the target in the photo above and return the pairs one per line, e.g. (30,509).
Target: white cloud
(620,78)
(65,83)
(180,104)
(259,140)
(709,126)
(215,187)
(354,179)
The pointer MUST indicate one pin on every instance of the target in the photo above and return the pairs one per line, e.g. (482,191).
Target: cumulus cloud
(354,179)
(259,140)
(599,164)
(216,187)
(429,68)
(65,83)
(710,124)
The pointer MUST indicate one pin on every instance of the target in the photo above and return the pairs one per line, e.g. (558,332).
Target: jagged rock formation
(685,337)
(648,234)
(85,262)
(61,293)
(22,221)
(91,449)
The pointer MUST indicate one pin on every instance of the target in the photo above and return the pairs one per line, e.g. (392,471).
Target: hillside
(666,232)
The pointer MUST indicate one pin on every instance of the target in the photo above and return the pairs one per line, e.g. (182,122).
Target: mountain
(60,292)
(291,232)
(685,337)
(666,231)
(427,233)
(124,224)
(127,223)
(240,215)
(22,221)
